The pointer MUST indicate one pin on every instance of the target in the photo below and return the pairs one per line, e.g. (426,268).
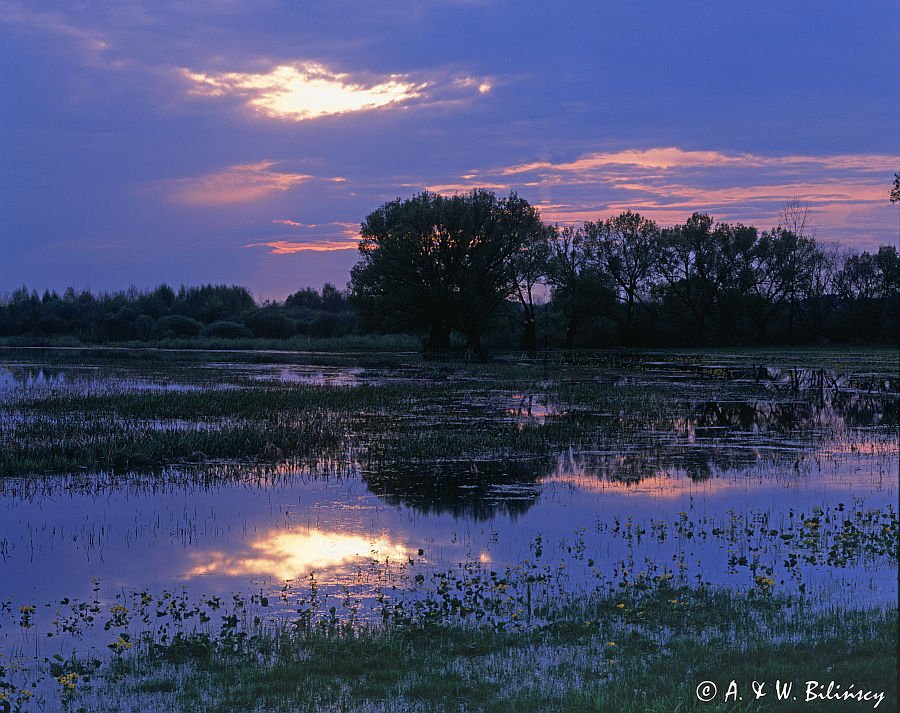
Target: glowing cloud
(673,158)
(286,555)
(304,91)
(317,237)
(236,184)
(846,192)
(285,247)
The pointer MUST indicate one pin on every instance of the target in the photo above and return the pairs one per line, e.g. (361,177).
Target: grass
(589,656)
(152,409)
(299,343)
(137,424)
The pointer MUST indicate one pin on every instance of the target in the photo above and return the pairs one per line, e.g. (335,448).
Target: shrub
(176,325)
(226,330)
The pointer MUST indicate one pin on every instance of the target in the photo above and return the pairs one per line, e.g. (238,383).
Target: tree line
(458,269)
(214,311)
(444,264)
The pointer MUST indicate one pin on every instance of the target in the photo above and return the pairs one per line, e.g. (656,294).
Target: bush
(176,325)
(227,330)
(270,324)
(52,324)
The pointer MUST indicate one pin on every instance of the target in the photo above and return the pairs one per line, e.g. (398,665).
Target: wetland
(193,530)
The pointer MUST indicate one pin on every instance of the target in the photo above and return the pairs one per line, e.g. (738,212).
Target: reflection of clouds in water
(860,447)
(657,486)
(530,409)
(287,555)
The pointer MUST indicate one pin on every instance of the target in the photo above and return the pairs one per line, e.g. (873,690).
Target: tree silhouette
(895,197)
(628,246)
(442,263)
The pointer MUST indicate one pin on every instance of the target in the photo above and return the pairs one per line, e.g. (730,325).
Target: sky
(244,141)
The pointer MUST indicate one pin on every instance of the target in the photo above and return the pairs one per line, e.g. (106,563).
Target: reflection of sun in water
(286,555)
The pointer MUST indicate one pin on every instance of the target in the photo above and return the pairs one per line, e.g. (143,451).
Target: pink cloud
(240,183)
(669,183)
(286,247)
(674,158)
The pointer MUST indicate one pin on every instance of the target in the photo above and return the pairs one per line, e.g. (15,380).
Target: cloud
(52,23)
(240,183)
(301,91)
(674,158)
(317,237)
(285,247)
(305,90)
(669,183)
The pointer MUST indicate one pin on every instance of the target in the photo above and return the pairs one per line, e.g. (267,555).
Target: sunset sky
(244,142)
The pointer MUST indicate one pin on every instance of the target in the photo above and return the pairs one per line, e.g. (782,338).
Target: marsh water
(764,473)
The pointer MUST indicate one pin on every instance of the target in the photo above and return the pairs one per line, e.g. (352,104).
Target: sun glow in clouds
(240,183)
(286,555)
(305,91)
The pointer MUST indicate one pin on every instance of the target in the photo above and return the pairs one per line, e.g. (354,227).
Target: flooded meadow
(149,497)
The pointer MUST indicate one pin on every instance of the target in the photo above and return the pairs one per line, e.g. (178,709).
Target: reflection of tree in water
(839,411)
(473,489)
(715,438)
(638,464)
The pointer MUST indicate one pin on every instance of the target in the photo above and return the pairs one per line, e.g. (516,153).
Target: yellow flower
(620,606)
(120,645)
(69,680)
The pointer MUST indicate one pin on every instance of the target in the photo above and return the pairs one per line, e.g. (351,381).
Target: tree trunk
(474,350)
(761,324)
(530,336)
(571,328)
(438,338)
(700,325)
(627,327)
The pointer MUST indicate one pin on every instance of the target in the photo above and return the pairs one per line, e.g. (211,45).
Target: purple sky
(243,142)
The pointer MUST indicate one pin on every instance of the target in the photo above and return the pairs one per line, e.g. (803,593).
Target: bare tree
(794,217)
(895,197)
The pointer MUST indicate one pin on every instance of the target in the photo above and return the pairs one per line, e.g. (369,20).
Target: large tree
(627,250)
(441,263)
(529,267)
(706,267)
(578,286)
(782,268)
